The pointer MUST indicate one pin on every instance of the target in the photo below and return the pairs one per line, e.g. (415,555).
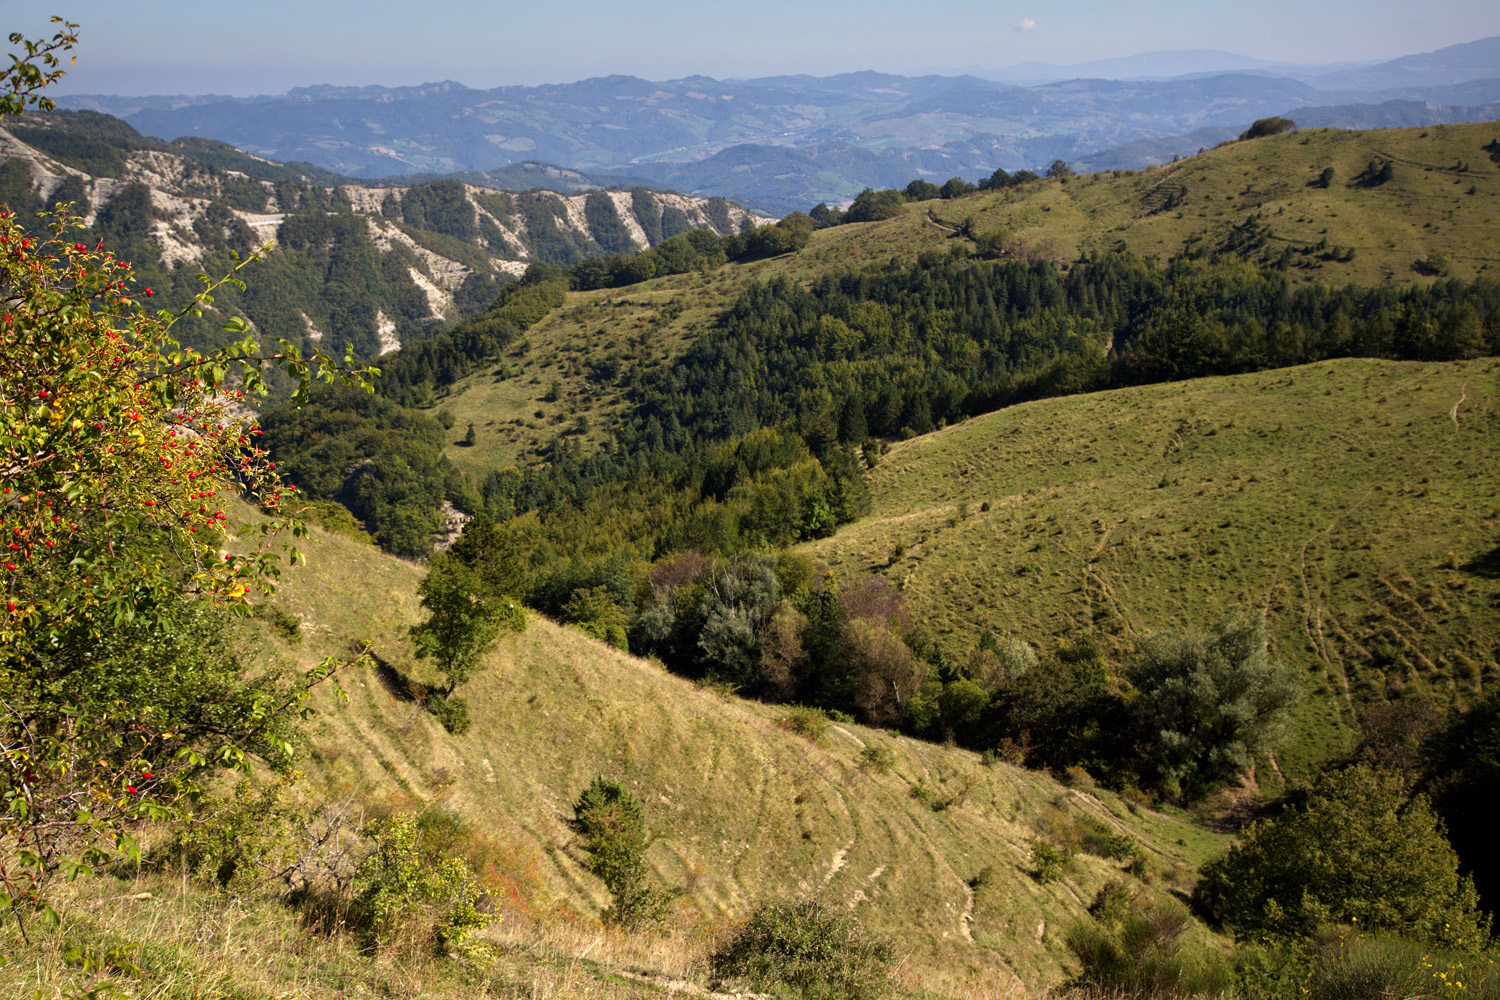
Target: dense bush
(810,950)
(1358,851)
(413,898)
(1134,947)
(1268,126)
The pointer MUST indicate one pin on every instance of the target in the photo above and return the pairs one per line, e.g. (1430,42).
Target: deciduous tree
(120,451)
(464,619)
(1209,703)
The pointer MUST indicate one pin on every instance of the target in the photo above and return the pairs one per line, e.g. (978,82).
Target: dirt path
(1453,413)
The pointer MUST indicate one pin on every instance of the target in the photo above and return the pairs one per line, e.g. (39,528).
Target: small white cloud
(1027,24)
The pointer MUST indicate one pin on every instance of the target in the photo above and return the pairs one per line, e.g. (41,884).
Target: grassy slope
(1341,498)
(1426,208)
(742,809)
(591,325)
(1353,473)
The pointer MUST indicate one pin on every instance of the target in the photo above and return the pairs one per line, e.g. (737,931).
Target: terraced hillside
(1354,502)
(741,809)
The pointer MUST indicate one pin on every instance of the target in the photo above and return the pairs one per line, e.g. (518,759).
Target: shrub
(1103,842)
(1078,777)
(1349,965)
(453,713)
(410,900)
(805,721)
(1268,126)
(1435,264)
(877,757)
(928,796)
(1357,851)
(810,950)
(240,840)
(1009,751)
(1133,948)
(594,611)
(1048,861)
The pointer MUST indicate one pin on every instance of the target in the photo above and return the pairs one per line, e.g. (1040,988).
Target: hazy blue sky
(268,46)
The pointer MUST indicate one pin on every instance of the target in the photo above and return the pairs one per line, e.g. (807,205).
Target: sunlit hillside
(741,808)
(1353,502)
(1260,197)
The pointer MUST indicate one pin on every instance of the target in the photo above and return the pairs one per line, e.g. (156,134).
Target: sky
(271,46)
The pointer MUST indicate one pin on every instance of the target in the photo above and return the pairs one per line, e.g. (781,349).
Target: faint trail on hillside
(1453,413)
(941,863)
(838,862)
(1277,768)
(851,737)
(1094,583)
(663,982)
(933,219)
(967,917)
(1312,619)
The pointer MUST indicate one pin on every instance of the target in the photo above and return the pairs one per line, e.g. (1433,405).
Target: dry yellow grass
(740,808)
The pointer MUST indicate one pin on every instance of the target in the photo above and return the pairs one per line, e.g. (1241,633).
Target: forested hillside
(926,313)
(669,449)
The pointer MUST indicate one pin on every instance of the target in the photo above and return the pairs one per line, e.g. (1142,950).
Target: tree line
(871,205)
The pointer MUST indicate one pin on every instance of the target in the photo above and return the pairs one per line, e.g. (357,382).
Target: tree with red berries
(120,452)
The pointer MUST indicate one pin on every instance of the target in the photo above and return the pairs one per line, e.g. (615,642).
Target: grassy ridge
(1426,208)
(1353,501)
(1428,205)
(740,807)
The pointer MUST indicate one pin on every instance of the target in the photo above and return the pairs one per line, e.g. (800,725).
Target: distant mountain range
(1160,66)
(782,143)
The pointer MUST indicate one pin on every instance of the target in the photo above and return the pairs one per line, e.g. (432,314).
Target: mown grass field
(741,809)
(1355,503)
(1444,198)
